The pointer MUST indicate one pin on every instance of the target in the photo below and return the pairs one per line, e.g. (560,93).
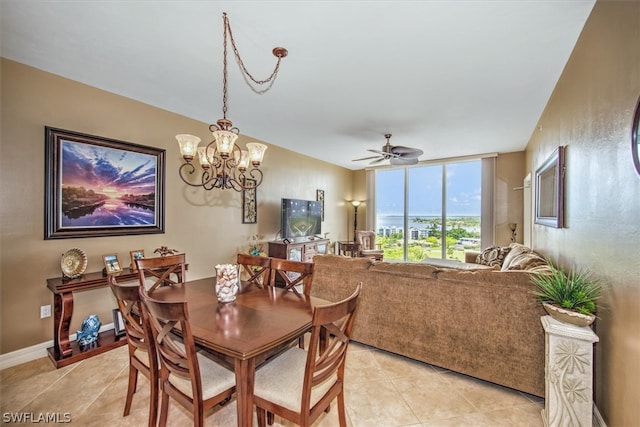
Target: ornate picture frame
(249,203)
(549,182)
(320,198)
(97,186)
(635,137)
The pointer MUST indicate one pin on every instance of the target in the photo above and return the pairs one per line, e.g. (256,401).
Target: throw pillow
(493,256)
(526,261)
(515,250)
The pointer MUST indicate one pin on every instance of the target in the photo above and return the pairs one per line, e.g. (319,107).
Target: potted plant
(569,298)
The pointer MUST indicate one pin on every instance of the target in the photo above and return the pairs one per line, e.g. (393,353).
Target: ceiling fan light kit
(397,155)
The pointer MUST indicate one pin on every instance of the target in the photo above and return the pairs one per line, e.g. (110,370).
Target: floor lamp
(355,204)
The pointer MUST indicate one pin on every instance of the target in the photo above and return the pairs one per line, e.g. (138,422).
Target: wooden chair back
(324,368)
(142,351)
(179,361)
(330,337)
(257,269)
(163,271)
(292,274)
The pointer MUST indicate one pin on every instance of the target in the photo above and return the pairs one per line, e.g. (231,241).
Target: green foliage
(415,253)
(575,291)
(79,197)
(459,233)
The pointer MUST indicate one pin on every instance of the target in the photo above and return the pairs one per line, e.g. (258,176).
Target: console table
(65,352)
(298,251)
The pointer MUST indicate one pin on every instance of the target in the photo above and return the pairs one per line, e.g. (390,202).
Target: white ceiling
(453,78)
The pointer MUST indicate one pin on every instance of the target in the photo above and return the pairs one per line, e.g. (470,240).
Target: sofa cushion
(493,256)
(515,249)
(455,264)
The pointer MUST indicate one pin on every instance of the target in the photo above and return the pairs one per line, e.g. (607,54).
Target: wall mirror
(635,137)
(549,181)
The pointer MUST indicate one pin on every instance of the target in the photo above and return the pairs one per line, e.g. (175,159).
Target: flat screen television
(300,218)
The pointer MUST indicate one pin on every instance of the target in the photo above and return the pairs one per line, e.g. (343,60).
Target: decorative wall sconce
(224,164)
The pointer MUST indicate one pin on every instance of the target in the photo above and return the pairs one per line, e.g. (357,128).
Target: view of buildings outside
(424,211)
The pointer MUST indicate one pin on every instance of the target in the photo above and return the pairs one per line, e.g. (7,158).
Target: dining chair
(292,275)
(186,375)
(142,351)
(257,268)
(162,271)
(299,385)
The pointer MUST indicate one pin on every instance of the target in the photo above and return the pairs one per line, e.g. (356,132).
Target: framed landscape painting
(96,186)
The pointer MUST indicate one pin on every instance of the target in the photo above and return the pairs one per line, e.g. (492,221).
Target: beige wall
(508,197)
(207,226)
(591,112)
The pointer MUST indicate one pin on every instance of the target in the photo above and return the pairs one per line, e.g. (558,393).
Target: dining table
(242,334)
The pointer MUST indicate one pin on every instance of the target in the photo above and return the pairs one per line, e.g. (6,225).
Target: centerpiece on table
(569,298)
(227,282)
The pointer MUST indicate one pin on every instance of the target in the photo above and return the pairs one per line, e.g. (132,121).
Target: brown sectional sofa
(484,323)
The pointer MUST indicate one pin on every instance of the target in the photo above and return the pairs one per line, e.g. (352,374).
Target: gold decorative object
(164,251)
(73,263)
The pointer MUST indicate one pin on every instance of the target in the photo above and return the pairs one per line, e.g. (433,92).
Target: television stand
(299,250)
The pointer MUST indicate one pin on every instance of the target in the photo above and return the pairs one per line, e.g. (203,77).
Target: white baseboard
(34,352)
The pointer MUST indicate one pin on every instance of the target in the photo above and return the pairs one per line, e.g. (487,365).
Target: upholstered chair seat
(215,379)
(285,390)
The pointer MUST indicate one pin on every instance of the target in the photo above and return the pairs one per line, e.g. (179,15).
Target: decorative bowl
(73,263)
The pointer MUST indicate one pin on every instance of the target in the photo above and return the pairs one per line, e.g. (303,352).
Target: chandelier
(224,164)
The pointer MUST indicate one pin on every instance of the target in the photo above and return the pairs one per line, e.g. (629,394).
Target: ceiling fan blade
(404,161)
(407,151)
(398,154)
(382,153)
(365,158)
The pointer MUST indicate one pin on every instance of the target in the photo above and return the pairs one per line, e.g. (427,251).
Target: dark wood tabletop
(258,324)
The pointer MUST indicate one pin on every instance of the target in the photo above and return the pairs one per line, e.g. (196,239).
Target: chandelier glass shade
(224,165)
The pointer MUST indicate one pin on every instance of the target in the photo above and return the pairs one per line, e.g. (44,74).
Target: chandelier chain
(224,164)
(227,27)
(224,66)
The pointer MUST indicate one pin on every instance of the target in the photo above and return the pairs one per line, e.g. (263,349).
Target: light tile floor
(382,389)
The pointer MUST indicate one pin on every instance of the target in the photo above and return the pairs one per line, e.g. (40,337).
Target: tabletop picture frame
(111,263)
(118,323)
(134,255)
(96,186)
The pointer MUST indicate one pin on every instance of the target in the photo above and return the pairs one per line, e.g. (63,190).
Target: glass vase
(227,282)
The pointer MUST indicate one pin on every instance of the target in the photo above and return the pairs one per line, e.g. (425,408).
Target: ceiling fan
(396,154)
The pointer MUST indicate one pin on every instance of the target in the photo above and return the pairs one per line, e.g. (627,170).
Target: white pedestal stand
(568,374)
